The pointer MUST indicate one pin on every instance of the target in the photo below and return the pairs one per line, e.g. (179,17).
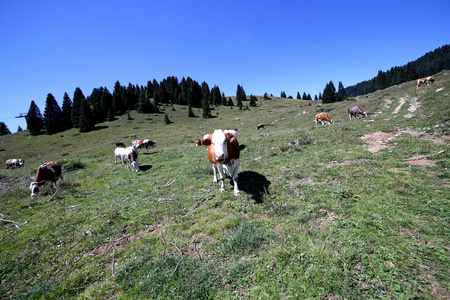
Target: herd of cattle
(222,147)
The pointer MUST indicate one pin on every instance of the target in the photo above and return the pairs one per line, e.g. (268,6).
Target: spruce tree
(206,95)
(19,129)
(67,112)
(35,121)
(78,98)
(253,101)
(166,119)
(341,94)
(329,93)
(53,119)
(86,121)
(283,94)
(4,129)
(240,96)
(298,95)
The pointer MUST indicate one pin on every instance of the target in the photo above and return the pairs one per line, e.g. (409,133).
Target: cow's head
(35,189)
(21,163)
(135,165)
(219,140)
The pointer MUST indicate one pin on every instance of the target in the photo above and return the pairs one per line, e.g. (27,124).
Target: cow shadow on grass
(145,168)
(254,184)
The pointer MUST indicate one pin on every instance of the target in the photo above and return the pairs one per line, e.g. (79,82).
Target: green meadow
(355,210)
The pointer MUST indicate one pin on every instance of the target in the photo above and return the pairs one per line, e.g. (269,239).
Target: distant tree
(19,129)
(341,94)
(67,112)
(78,98)
(240,96)
(253,101)
(206,95)
(266,96)
(110,115)
(144,104)
(190,112)
(4,129)
(118,106)
(315,97)
(298,95)
(230,102)
(283,94)
(304,96)
(166,119)
(86,122)
(216,96)
(329,93)
(53,118)
(35,121)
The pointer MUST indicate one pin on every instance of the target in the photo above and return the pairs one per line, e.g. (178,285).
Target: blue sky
(265,46)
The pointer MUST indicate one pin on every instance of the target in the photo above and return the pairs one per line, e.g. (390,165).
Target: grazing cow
(49,172)
(120,145)
(14,163)
(428,80)
(132,158)
(144,144)
(120,153)
(259,126)
(323,119)
(223,152)
(132,136)
(354,111)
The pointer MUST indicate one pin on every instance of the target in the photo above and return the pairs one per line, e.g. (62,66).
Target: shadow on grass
(255,184)
(145,168)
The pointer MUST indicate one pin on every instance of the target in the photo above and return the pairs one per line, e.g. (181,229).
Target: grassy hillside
(358,209)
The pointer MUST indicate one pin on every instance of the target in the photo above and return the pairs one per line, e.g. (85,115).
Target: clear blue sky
(265,46)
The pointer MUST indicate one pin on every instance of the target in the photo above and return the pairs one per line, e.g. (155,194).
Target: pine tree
(216,96)
(144,104)
(341,94)
(283,94)
(298,95)
(86,119)
(53,119)
(35,121)
(329,93)
(67,112)
(240,96)
(304,97)
(78,98)
(206,95)
(4,129)
(253,101)
(190,112)
(118,106)
(166,119)
(19,129)
(230,102)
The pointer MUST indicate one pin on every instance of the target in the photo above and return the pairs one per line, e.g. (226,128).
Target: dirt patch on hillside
(6,182)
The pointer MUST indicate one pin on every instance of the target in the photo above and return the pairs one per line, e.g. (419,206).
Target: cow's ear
(231,137)
(206,141)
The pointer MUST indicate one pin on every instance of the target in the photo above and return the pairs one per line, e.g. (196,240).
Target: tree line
(431,63)
(101,105)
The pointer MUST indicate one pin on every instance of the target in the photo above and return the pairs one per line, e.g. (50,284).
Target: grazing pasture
(322,213)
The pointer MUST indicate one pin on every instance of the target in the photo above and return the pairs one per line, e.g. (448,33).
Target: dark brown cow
(49,172)
(259,126)
(354,111)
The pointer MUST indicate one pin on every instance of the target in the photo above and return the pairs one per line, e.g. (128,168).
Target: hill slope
(358,209)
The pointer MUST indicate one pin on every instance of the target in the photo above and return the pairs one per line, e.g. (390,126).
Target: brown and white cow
(14,163)
(323,119)
(144,144)
(223,152)
(259,126)
(354,111)
(428,80)
(49,172)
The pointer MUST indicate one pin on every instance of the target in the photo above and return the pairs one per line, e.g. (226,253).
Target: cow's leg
(215,173)
(222,177)
(233,170)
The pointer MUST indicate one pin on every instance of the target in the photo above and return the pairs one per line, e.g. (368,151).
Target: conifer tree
(230,102)
(240,96)
(118,106)
(86,121)
(19,129)
(216,96)
(166,119)
(35,121)
(253,101)
(283,94)
(329,93)
(53,119)
(341,94)
(206,95)
(67,112)
(304,97)
(298,95)
(78,98)
(4,129)
(190,112)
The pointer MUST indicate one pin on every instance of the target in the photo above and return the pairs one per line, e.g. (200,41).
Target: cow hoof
(214,181)
(237,193)
(222,190)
